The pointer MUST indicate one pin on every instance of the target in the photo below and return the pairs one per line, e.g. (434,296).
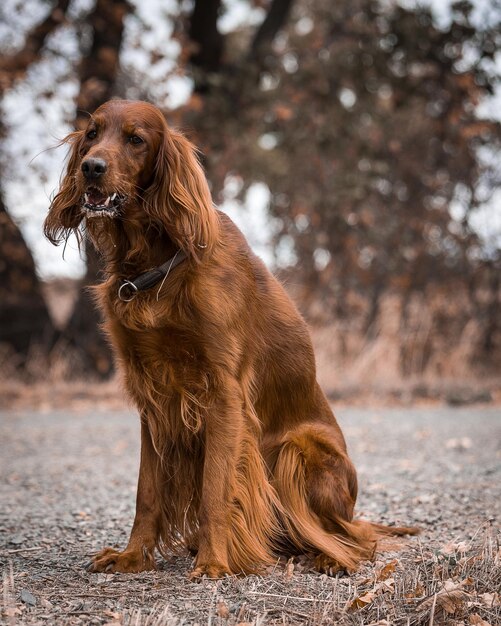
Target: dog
(242,458)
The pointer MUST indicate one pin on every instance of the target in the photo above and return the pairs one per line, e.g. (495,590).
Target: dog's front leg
(223,434)
(139,554)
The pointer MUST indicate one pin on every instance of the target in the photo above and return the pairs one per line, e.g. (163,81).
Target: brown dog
(241,456)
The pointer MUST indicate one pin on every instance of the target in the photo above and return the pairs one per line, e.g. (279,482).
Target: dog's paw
(210,570)
(110,561)
(327,565)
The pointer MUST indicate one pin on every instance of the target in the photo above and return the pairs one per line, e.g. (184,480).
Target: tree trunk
(25,322)
(273,22)
(204,33)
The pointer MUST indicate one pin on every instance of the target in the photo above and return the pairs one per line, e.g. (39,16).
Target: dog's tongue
(94,196)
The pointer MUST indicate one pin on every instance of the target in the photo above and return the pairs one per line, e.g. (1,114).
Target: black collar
(129,288)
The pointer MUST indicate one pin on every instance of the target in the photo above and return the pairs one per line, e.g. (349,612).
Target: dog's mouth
(96,202)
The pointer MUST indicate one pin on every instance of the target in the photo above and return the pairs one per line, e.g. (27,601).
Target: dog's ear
(65,213)
(180,198)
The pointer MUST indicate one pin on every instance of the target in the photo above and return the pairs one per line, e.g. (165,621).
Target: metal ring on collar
(127,283)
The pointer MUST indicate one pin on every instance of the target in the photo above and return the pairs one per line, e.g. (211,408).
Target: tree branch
(15,66)
(273,22)
(204,33)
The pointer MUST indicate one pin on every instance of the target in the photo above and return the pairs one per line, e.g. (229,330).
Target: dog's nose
(94,168)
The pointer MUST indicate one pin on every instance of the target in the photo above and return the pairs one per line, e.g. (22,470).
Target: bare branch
(15,66)
(206,36)
(273,22)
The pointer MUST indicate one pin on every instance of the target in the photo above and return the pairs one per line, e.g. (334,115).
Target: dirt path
(68,489)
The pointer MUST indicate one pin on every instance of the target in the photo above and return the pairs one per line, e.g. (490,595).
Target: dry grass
(407,356)
(47,386)
(52,391)
(80,395)
(453,584)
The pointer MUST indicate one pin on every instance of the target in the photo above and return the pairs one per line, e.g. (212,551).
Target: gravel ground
(68,489)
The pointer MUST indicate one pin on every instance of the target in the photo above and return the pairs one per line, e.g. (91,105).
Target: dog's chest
(166,377)
(144,311)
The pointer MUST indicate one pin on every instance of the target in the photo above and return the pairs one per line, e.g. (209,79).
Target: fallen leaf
(417,592)
(449,601)
(490,599)
(360,601)
(222,609)
(385,585)
(113,614)
(289,569)
(453,547)
(386,571)
(477,620)
(450,598)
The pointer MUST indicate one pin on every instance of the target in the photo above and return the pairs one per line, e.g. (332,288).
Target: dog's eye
(92,134)
(136,139)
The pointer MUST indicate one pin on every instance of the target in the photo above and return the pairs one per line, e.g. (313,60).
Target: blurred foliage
(371,115)
(361,118)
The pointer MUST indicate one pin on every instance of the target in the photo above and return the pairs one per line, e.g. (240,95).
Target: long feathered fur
(241,456)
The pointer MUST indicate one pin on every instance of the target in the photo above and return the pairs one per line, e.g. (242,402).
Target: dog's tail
(382,530)
(347,542)
(353,542)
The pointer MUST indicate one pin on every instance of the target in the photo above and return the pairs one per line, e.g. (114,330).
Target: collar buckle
(132,294)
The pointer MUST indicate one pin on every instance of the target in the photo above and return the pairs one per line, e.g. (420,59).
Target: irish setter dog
(241,456)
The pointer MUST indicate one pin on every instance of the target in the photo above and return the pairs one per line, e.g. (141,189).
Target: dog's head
(129,173)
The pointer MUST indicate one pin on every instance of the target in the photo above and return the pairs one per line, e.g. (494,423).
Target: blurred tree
(364,127)
(25,323)
(361,118)
(24,318)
